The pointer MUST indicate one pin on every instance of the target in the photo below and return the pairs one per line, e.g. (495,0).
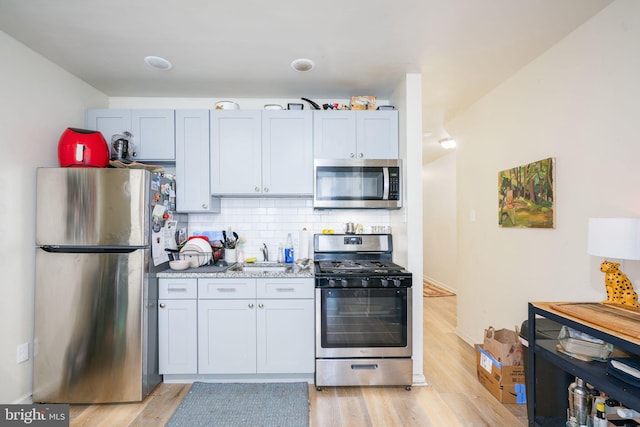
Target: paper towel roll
(304,244)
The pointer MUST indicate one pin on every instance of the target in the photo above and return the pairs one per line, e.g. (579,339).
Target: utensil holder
(230,255)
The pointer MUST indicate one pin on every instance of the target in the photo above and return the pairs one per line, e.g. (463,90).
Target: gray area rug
(231,404)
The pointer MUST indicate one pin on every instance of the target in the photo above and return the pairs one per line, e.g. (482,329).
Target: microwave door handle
(385,177)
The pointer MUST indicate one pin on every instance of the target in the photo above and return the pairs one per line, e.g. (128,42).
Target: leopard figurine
(618,286)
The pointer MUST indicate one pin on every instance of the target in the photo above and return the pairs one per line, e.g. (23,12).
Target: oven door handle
(367,366)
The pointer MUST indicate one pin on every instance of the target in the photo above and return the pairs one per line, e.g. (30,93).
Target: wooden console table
(619,326)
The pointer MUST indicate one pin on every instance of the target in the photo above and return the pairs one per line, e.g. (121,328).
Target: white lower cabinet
(237,326)
(285,340)
(227,337)
(261,326)
(177,326)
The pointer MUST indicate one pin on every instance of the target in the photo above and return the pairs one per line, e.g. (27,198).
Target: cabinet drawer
(280,288)
(179,288)
(226,288)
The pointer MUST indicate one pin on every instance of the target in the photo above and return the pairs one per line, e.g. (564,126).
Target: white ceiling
(243,48)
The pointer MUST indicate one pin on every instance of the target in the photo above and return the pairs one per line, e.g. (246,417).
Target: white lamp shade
(617,238)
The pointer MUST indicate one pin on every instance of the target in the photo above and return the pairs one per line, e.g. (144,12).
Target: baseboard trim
(24,400)
(439,284)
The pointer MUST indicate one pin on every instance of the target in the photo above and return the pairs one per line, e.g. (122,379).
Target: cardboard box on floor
(506,383)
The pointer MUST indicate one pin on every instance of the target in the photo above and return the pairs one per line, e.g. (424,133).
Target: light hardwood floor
(453,397)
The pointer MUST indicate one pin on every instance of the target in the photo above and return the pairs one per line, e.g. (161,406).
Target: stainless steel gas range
(363,312)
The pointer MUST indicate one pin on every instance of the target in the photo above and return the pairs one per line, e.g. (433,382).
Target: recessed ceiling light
(302,64)
(158,63)
(448,143)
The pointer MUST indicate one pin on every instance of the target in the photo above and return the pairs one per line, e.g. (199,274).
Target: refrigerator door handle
(90,249)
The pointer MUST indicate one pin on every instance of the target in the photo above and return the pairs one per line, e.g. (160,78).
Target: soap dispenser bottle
(288,250)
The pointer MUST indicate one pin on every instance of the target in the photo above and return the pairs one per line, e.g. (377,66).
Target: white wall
(578,103)
(439,212)
(39,101)
(407,222)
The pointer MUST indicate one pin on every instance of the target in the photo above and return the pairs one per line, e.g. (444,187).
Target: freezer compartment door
(92,207)
(89,340)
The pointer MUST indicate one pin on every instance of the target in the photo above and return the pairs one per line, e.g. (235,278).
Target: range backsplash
(269,221)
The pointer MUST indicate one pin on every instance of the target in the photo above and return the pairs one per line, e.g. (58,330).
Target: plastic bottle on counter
(280,253)
(288,250)
(303,247)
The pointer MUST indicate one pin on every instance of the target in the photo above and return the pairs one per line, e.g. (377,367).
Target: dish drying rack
(198,258)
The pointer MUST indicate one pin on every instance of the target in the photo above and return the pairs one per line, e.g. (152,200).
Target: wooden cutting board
(624,320)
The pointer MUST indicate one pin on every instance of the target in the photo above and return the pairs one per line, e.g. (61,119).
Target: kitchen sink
(257,267)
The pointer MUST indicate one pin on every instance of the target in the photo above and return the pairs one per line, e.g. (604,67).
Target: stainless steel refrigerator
(95,333)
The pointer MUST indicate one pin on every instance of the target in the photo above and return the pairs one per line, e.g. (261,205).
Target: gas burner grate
(358,266)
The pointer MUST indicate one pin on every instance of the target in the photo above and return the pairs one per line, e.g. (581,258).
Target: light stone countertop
(210,271)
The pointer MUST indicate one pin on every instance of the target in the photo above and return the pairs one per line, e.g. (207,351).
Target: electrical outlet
(23,353)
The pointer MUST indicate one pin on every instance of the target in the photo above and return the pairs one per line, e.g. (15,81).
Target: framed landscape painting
(526,195)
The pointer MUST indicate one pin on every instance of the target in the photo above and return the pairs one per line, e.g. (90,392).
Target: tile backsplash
(268,221)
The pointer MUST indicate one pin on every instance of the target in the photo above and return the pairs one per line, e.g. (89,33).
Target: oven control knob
(365,283)
(384,282)
(397,282)
(344,283)
(332,283)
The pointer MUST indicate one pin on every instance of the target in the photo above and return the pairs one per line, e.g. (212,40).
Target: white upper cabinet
(355,134)
(334,134)
(153,131)
(287,153)
(109,122)
(261,153)
(192,162)
(236,152)
(377,134)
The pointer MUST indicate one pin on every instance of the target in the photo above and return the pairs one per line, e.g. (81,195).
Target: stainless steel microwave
(352,184)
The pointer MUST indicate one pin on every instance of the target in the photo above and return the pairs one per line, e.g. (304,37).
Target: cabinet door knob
(266,189)
(204,206)
(161,305)
(352,155)
(361,155)
(257,189)
(250,305)
(261,305)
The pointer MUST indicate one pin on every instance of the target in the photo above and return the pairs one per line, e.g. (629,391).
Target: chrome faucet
(265,252)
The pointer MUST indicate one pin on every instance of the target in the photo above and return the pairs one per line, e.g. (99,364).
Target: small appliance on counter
(122,148)
(82,148)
